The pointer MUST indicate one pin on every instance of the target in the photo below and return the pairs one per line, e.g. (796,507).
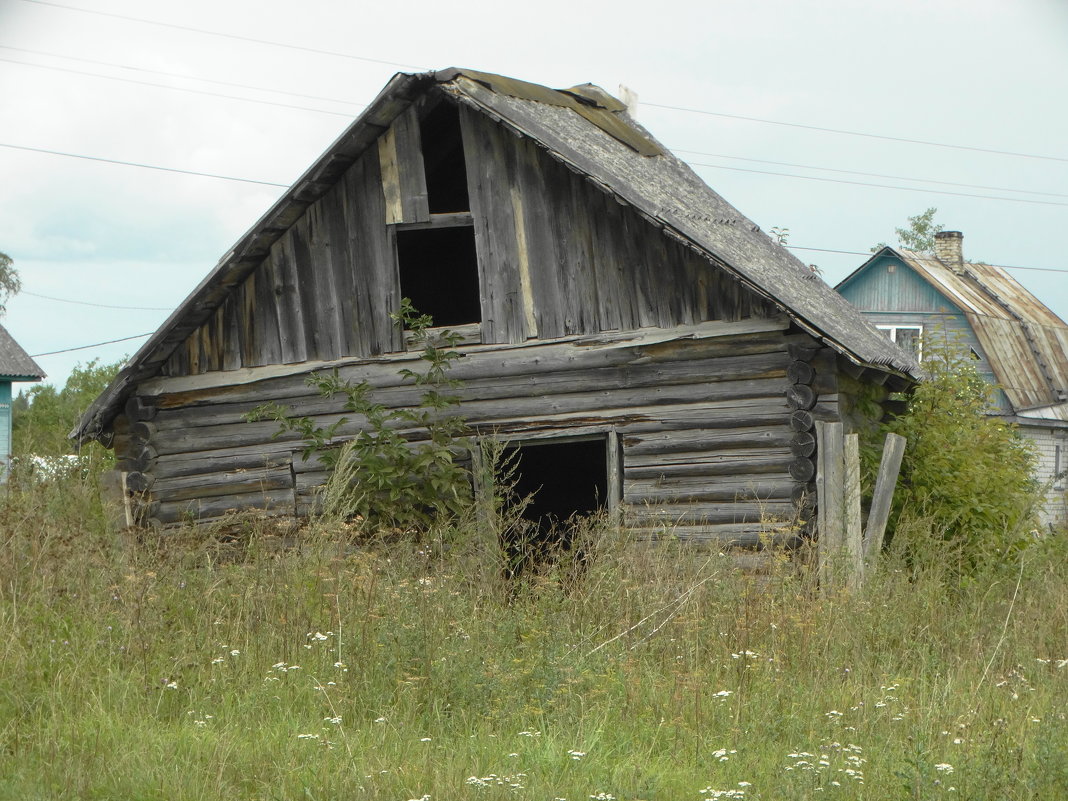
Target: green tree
(43,415)
(966,472)
(920,233)
(10,284)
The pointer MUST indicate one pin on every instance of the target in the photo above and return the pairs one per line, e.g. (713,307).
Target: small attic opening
(443,159)
(439,272)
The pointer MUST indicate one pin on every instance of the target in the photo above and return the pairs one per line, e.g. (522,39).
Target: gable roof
(15,363)
(589,131)
(1025,343)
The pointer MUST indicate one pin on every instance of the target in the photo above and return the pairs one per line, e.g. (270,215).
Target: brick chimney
(948,249)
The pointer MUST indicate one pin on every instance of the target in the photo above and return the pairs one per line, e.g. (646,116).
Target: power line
(137,164)
(870,253)
(94,345)
(871,174)
(844,132)
(881,186)
(220,34)
(175,88)
(97,305)
(178,75)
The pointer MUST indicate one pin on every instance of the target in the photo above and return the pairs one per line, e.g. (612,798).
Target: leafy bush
(965,472)
(378,476)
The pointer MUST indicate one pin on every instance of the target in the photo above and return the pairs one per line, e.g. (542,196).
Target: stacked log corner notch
(801,397)
(137,458)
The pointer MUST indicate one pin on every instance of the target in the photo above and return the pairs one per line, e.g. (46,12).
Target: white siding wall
(1051,446)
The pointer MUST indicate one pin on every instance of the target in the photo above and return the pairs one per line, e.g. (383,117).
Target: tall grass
(193,666)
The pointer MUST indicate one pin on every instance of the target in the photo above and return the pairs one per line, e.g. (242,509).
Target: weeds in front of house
(184,666)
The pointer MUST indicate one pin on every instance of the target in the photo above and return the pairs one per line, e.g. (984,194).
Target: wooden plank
(572,238)
(769,512)
(853,546)
(328,264)
(883,495)
(345,265)
(289,307)
(410,168)
(223,482)
(489,154)
(830,490)
(258,456)
(537,216)
(727,489)
(378,284)
(266,345)
(450,219)
(279,501)
(391,188)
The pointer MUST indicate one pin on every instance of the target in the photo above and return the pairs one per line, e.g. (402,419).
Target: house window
(908,337)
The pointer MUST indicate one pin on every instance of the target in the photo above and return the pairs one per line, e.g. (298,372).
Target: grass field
(187,668)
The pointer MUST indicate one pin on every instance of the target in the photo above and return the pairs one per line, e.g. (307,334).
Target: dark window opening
(563,479)
(439,272)
(562,482)
(443,160)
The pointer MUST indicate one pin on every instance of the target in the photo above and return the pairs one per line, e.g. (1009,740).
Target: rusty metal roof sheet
(1024,341)
(588,130)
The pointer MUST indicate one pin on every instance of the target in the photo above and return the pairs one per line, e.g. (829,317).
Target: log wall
(703,415)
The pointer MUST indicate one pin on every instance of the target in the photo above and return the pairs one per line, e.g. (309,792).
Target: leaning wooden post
(889,467)
(853,550)
(830,497)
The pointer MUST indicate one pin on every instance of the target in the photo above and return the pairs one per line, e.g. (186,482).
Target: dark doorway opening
(439,273)
(561,482)
(443,160)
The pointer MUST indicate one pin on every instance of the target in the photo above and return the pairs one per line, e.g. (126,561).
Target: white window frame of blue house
(892,332)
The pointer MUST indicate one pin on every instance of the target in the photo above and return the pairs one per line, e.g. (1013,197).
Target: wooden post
(830,497)
(853,550)
(893,450)
(840,547)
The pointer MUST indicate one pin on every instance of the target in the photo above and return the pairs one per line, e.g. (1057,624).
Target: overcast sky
(184,86)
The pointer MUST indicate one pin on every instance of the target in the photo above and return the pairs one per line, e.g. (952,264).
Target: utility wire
(881,186)
(166,74)
(220,34)
(706,112)
(94,345)
(96,305)
(844,132)
(870,253)
(144,166)
(871,174)
(176,88)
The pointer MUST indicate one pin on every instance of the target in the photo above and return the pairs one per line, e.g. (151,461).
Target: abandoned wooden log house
(638,338)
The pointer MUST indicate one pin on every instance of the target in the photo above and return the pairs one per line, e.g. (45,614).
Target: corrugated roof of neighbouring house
(1025,343)
(588,130)
(15,363)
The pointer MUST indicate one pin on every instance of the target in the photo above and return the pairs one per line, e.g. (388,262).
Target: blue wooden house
(15,365)
(1019,344)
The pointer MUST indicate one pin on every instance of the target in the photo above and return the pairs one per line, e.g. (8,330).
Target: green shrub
(966,473)
(378,476)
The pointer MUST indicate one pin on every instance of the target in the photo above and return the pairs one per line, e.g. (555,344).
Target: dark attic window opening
(563,478)
(443,160)
(439,273)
